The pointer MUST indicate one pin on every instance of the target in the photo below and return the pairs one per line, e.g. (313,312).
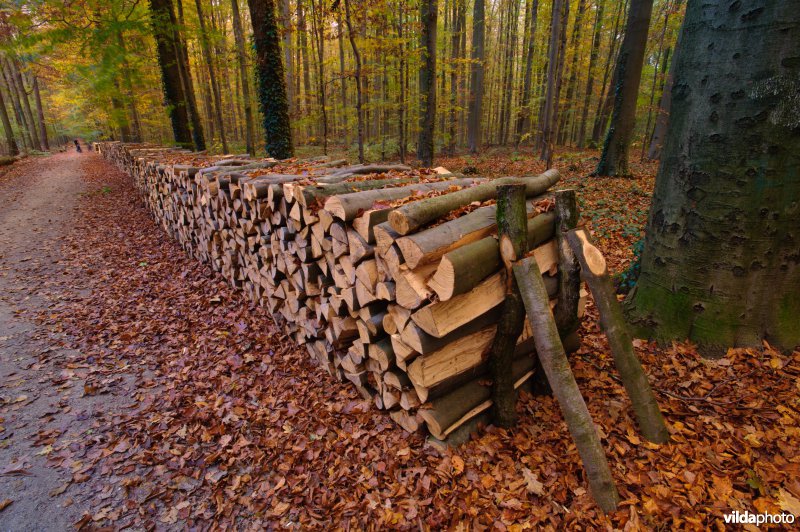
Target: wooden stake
(594,270)
(512,230)
(569,278)
(554,361)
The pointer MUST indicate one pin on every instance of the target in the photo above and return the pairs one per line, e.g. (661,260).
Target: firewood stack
(391,277)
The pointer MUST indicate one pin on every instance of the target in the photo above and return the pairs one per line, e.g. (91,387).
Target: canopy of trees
(537,73)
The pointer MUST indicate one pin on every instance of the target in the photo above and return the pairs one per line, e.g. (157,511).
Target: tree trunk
(455,56)
(212,74)
(604,103)
(182,53)
(26,104)
(342,78)
(548,109)
(271,86)
(15,103)
(401,113)
(427,82)
(13,149)
(720,264)
(130,100)
(163,23)
(318,31)
(571,105)
(302,29)
(512,225)
(662,117)
(614,159)
(40,114)
(286,37)
(598,28)
(241,56)
(523,124)
(476,76)
(357,55)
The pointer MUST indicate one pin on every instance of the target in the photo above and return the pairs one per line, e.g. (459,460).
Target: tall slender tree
(212,76)
(587,98)
(162,19)
(476,78)
(523,125)
(241,57)
(359,98)
(614,159)
(11,142)
(427,81)
(271,83)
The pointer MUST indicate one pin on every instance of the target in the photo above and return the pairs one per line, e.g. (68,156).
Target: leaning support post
(512,224)
(559,374)
(595,272)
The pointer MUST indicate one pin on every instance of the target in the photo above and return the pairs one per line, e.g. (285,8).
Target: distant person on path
(78,146)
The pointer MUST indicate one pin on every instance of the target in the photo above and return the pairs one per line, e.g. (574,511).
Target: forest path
(39,400)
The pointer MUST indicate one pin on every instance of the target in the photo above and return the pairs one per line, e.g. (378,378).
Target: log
(439,319)
(453,409)
(456,357)
(348,206)
(429,245)
(595,272)
(512,230)
(414,215)
(463,268)
(559,374)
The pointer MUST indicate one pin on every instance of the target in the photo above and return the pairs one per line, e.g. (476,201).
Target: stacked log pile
(391,277)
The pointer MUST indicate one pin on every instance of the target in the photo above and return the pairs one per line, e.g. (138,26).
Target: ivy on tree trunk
(271,83)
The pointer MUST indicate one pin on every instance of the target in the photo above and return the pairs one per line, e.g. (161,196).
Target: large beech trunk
(722,251)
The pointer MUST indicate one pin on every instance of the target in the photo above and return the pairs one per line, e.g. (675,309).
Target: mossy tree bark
(512,228)
(614,159)
(722,247)
(271,82)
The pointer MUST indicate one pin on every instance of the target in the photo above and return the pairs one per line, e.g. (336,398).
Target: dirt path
(38,403)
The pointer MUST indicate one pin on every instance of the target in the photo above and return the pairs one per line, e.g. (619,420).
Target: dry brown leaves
(232,426)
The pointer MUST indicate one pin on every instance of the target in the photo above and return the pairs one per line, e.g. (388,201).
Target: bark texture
(720,263)
(614,159)
(476,76)
(553,358)
(427,81)
(163,22)
(594,270)
(512,222)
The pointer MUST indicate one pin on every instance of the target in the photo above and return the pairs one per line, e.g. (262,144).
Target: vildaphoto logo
(748,518)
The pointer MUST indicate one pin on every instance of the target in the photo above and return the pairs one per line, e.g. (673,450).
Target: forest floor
(140,390)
